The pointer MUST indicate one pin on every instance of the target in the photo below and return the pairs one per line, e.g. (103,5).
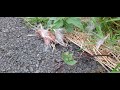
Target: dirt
(22,54)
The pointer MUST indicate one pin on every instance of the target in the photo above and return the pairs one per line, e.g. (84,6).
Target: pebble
(37,71)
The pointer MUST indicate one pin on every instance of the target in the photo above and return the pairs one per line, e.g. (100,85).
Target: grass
(111,26)
(103,27)
(116,69)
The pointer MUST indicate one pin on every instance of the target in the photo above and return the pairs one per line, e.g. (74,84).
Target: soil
(22,54)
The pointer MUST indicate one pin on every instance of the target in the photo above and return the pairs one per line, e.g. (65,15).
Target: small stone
(38,55)
(37,71)
(31,69)
(37,65)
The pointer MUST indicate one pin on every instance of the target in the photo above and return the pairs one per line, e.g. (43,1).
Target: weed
(56,22)
(68,58)
(97,27)
(116,69)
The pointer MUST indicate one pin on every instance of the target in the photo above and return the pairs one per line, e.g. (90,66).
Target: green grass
(116,69)
(103,26)
(68,58)
(56,22)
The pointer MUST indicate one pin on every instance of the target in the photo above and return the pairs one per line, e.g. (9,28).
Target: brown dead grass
(83,41)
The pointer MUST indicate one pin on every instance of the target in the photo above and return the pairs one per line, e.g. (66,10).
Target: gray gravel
(22,54)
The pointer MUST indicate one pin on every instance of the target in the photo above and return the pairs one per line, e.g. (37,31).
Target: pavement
(22,54)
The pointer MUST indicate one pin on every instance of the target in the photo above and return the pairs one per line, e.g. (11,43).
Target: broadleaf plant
(57,22)
(75,21)
(68,58)
(65,22)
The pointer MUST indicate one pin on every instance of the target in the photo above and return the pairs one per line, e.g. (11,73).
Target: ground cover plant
(100,36)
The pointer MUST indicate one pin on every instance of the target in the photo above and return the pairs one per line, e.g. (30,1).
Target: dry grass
(83,41)
(108,54)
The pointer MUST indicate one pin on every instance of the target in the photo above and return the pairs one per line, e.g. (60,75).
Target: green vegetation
(116,69)
(56,22)
(68,58)
(97,27)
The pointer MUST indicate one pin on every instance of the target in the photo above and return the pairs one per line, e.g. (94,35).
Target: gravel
(22,54)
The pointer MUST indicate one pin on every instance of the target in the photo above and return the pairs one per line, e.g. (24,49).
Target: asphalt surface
(22,54)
